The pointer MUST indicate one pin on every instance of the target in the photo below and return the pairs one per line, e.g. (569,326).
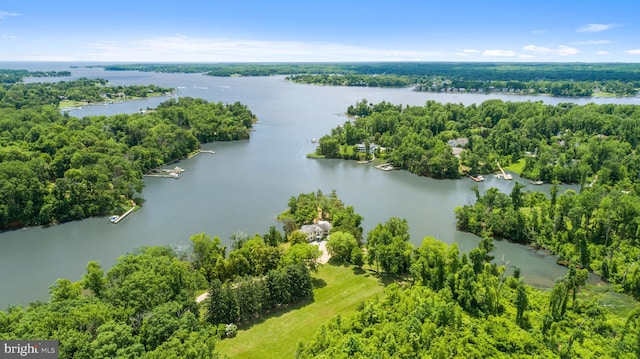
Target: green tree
(208,255)
(340,245)
(388,245)
(94,279)
(64,289)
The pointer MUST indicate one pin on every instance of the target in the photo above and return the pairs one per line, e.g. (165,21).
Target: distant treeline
(573,79)
(20,95)
(476,71)
(13,76)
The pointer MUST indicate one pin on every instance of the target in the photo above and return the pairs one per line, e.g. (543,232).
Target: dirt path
(324,258)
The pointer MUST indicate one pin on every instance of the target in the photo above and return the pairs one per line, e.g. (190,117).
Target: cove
(245,184)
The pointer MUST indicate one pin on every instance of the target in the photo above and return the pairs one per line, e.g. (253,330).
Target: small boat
(537,183)
(313,140)
(113,219)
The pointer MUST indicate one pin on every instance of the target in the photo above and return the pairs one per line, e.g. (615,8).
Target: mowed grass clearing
(338,291)
(517,167)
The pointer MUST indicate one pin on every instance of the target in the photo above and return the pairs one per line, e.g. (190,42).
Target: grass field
(339,290)
(516,167)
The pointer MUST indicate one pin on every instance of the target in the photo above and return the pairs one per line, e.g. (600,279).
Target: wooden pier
(477,179)
(165,173)
(199,152)
(174,176)
(120,218)
(504,175)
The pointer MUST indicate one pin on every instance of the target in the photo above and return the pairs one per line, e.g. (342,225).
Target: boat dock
(169,175)
(504,175)
(199,152)
(120,218)
(476,178)
(385,167)
(166,173)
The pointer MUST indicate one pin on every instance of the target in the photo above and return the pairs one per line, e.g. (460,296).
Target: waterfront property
(316,231)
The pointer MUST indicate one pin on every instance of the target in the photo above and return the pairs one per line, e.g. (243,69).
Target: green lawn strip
(339,291)
(517,167)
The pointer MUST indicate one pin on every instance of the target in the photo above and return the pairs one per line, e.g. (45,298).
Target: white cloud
(592,42)
(467,52)
(560,50)
(536,32)
(633,52)
(180,48)
(499,53)
(8,37)
(596,27)
(5,14)
(603,53)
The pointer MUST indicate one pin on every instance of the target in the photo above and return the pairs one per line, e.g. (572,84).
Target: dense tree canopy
(56,168)
(566,142)
(454,310)
(597,229)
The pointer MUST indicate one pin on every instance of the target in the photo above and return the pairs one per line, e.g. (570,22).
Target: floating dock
(385,167)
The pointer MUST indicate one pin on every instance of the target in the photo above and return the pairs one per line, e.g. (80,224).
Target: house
(458,142)
(317,231)
(457,151)
(363,148)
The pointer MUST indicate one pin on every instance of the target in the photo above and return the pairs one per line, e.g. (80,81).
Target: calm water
(244,185)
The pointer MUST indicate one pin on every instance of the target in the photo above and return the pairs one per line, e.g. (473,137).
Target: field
(517,167)
(339,290)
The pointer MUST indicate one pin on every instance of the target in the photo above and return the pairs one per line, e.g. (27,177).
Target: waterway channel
(245,184)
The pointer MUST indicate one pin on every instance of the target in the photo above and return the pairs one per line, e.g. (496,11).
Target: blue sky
(328,30)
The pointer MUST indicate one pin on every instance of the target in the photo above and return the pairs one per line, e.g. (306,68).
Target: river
(245,184)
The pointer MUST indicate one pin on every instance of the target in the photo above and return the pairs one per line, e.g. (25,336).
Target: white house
(316,231)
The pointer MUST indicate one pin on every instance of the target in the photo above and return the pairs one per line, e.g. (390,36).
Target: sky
(320,31)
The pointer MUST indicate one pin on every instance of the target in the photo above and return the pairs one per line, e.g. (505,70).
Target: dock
(120,218)
(504,175)
(476,178)
(169,175)
(385,167)
(199,152)
(166,173)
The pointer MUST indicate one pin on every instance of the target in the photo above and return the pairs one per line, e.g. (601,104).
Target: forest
(570,79)
(597,229)
(565,142)
(81,91)
(8,76)
(595,146)
(437,302)
(56,168)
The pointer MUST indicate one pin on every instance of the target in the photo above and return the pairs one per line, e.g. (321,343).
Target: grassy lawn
(516,167)
(604,294)
(338,291)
